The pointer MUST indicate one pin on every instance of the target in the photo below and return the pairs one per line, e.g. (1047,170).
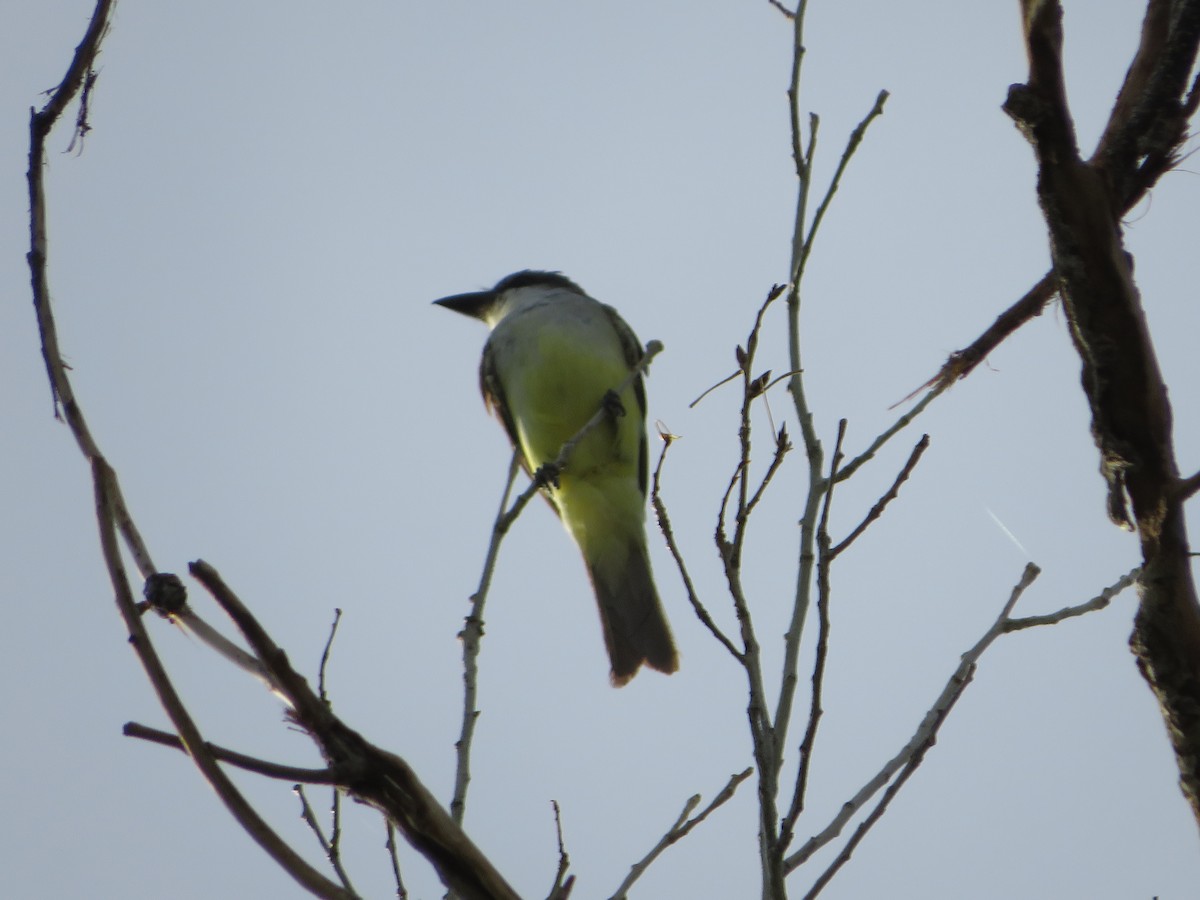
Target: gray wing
(633,350)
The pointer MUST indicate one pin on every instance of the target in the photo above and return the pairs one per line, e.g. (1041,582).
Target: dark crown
(530,277)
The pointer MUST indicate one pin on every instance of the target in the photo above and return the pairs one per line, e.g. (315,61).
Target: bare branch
(394,855)
(1100,601)
(1188,487)
(762,729)
(913,752)
(379,779)
(782,447)
(752,388)
(925,734)
(783,9)
(561,889)
(877,510)
(808,742)
(242,811)
(321,692)
(1009,624)
(1149,120)
(896,427)
(682,827)
(889,794)
(962,363)
(856,137)
(709,390)
(803,162)
(328,845)
(196,626)
(664,525)
(472,637)
(1138,146)
(1082,203)
(41,124)
(241,760)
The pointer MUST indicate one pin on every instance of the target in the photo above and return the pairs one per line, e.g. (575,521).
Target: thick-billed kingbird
(554,357)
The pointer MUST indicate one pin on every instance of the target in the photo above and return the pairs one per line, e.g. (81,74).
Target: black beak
(473,305)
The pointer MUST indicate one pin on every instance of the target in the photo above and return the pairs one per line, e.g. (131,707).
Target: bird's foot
(612,403)
(546,476)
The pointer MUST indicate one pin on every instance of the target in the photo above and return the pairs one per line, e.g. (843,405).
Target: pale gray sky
(242,262)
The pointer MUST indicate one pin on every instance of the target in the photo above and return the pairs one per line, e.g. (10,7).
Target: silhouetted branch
(241,760)
(374,776)
(815,711)
(664,525)
(329,846)
(891,494)
(561,889)
(1082,203)
(189,734)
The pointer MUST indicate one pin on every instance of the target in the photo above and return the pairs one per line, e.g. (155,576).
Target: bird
(554,357)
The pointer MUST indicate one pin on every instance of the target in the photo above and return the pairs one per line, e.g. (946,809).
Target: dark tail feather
(635,628)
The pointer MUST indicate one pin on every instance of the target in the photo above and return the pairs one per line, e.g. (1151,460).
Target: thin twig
(394,855)
(329,847)
(880,505)
(889,794)
(1100,601)
(80,75)
(721,532)
(561,889)
(191,621)
(783,446)
(335,834)
(1009,624)
(472,638)
(751,390)
(111,511)
(41,123)
(912,753)
(762,729)
(783,9)
(856,137)
(961,363)
(241,760)
(196,747)
(337,618)
(380,779)
(707,391)
(63,394)
(682,827)
(876,445)
(925,734)
(808,742)
(668,533)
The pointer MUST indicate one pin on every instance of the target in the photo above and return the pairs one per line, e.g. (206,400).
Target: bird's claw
(546,476)
(613,404)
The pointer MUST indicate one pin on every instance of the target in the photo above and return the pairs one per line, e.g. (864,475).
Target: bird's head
(510,292)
